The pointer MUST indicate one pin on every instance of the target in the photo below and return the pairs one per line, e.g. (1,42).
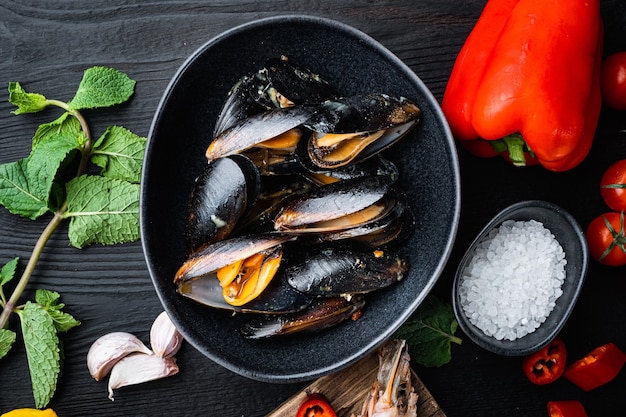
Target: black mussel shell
(220,196)
(333,270)
(277,298)
(330,202)
(217,255)
(275,191)
(298,84)
(390,226)
(240,103)
(321,314)
(257,128)
(363,113)
(368,124)
(375,166)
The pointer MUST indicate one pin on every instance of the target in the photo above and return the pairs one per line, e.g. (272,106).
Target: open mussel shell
(355,128)
(391,224)
(363,113)
(376,166)
(222,253)
(321,314)
(256,129)
(313,211)
(333,270)
(220,196)
(277,298)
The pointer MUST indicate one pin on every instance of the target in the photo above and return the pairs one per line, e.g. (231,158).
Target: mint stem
(52,225)
(30,267)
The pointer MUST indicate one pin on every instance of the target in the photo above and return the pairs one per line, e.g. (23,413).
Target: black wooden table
(46,45)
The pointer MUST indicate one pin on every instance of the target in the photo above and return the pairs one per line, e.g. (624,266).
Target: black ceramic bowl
(180,133)
(569,234)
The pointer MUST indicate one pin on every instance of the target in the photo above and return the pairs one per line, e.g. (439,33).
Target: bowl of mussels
(300,197)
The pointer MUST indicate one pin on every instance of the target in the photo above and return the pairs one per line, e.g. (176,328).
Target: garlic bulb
(109,349)
(165,339)
(140,367)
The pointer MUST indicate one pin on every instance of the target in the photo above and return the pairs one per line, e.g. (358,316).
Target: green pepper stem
(515,146)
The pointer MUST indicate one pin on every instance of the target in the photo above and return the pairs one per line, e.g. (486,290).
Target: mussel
(221,195)
(277,128)
(375,166)
(357,127)
(277,298)
(321,314)
(243,265)
(337,206)
(240,103)
(334,270)
(292,84)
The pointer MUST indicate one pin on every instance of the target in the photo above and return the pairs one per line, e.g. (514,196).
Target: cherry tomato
(613,186)
(606,239)
(613,81)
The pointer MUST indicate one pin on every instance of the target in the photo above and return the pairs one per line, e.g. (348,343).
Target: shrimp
(392,394)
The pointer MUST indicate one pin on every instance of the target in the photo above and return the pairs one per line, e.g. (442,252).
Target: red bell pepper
(597,368)
(547,364)
(315,405)
(566,408)
(527,82)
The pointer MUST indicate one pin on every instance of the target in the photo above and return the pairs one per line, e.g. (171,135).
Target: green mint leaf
(429,332)
(46,160)
(8,271)
(119,152)
(16,193)
(25,102)
(42,351)
(102,87)
(49,300)
(66,125)
(102,210)
(7,338)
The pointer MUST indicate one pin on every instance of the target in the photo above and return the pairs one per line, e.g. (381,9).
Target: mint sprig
(102,207)
(430,331)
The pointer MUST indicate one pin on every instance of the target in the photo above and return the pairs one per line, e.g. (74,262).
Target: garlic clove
(139,367)
(109,349)
(165,339)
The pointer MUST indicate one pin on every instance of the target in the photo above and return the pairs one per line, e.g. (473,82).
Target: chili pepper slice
(315,405)
(597,368)
(566,408)
(547,364)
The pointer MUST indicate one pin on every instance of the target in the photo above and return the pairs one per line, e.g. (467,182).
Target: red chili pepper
(547,364)
(566,408)
(600,366)
(514,84)
(315,405)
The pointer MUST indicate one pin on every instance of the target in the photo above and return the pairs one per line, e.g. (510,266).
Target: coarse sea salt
(513,279)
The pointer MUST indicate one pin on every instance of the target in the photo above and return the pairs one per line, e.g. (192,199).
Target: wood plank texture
(47,44)
(346,391)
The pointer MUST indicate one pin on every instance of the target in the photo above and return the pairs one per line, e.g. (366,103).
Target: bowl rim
(369,42)
(513,348)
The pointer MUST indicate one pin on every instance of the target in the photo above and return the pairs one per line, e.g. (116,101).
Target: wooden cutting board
(346,390)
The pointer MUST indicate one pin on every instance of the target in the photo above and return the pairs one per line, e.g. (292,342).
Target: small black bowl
(180,133)
(572,239)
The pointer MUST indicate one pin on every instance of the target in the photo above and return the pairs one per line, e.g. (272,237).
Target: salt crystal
(513,280)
